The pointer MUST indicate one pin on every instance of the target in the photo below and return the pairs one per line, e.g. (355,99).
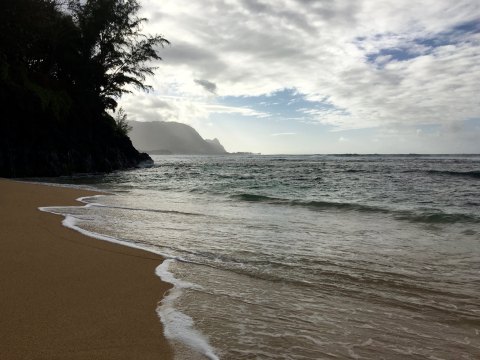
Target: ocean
(304,257)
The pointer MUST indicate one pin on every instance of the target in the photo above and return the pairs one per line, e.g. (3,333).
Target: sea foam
(177,325)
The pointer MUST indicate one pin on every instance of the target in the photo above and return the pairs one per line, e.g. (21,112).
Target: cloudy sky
(318,76)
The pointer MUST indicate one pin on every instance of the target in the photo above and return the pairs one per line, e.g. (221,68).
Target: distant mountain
(161,137)
(216,144)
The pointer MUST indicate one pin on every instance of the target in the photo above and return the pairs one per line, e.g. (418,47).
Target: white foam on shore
(177,325)
(71,222)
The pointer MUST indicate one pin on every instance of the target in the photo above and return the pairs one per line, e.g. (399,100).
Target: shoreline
(69,296)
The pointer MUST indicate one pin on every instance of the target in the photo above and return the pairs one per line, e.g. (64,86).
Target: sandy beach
(68,296)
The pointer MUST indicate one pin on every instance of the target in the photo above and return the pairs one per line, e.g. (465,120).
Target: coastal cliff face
(161,137)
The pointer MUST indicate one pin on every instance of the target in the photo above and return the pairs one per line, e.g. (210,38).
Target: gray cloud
(193,56)
(207,85)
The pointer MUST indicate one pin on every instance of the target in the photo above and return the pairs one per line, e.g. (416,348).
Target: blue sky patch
(393,54)
(284,104)
(408,49)
(472,27)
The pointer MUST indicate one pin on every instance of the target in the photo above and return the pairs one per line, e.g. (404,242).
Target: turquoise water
(306,257)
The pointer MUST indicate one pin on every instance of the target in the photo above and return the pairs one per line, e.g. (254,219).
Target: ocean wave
(353,171)
(255,197)
(337,205)
(175,212)
(472,174)
(431,217)
(310,204)
(438,218)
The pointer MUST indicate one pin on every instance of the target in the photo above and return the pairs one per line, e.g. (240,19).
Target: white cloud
(321,49)
(284,134)
(190,110)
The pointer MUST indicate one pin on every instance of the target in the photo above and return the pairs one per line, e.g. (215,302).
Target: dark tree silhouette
(63,63)
(114,52)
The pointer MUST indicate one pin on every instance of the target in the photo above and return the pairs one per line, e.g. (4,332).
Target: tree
(121,122)
(113,51)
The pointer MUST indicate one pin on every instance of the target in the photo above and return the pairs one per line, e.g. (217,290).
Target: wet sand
(67,296)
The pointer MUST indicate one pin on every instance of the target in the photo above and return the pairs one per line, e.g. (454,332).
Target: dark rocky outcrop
(34,141)
(44,158)
(38,162)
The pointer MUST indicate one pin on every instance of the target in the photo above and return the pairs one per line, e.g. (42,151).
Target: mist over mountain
(160,137)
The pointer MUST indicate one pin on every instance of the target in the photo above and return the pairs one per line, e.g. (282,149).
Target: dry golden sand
(67,296)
